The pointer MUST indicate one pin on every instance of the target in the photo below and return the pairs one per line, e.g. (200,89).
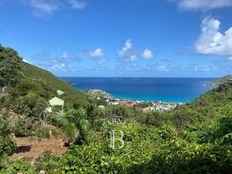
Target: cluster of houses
(128,103)
(157,106)
(146,106)
(161,106)
(97,93)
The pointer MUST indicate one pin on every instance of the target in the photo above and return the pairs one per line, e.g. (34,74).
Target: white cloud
(127,48)
(212,41)
(128,45)
(59,67)
(199,68)
(101,62)
(78,4)
(203,4)
(41,7)
(59,64)
(133,58)
(97,53)
(130,53)
(48,6)
(205,68)
(162,68)
(147,54)
(65,56)
(229,58)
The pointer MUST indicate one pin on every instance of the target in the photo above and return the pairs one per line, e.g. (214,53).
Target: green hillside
(220,80)
(33,72)
(195,137)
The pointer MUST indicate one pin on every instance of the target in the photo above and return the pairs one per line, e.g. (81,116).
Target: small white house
(55,101)
(59,92)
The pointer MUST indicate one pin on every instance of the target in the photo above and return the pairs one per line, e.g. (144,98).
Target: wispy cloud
(202,4)
(78,4)
(212,41)
(162,68)
(56,64)
(147,54)
(168,60)
(47,6)
(229,58)
(102,61)
(127,49)
(199,68)
(41,7)
(64,57)
(97,53)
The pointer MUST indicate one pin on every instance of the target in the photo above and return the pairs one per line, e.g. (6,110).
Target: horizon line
(126,77)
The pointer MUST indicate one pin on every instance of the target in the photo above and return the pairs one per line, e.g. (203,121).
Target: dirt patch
(29,148)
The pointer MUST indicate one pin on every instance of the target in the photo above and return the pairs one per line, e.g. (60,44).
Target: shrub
(22,128)
(7,146)
(30,105)
(18,166)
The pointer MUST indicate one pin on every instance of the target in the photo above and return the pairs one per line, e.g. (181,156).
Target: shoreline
(144,105)
(102,93)
(166,91)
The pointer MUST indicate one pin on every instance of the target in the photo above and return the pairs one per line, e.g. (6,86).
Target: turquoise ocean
(148,89)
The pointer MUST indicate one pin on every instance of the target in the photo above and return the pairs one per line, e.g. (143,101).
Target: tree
(10,65)
(74,123)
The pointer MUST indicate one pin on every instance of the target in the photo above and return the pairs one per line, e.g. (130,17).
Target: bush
(46,161)
(10,67)
(23,128)
(18,166)
(7,146)
(30,105)
(36,86)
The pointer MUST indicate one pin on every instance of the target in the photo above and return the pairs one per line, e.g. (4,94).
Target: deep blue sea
(149,89)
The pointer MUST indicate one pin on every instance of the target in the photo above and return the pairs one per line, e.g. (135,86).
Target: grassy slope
(32,71)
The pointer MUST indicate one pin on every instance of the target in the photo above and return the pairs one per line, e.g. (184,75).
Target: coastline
(107,95)
(143,104)
(171,90)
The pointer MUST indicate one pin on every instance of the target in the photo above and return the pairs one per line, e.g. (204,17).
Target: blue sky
(139,38)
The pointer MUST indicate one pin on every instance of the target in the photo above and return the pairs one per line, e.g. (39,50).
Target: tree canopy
(10,67)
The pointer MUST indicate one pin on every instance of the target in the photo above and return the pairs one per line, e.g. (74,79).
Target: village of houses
(100,94)
(146,106)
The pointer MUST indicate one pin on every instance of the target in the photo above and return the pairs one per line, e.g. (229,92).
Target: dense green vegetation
(220,80)
(192,138)
(7,145)
(10,66)
(72,93)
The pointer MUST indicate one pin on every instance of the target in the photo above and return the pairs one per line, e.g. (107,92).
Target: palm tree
(74,123)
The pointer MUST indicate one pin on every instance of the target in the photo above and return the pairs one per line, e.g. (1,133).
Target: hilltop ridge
(220,80)
(34,72)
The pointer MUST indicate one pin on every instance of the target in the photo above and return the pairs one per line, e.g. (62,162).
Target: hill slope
(32,71)
(220,80)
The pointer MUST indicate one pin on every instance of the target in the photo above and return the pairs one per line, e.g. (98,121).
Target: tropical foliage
(192,138)
(10,64)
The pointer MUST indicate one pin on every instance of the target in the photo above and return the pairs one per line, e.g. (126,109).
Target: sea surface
(147,89)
